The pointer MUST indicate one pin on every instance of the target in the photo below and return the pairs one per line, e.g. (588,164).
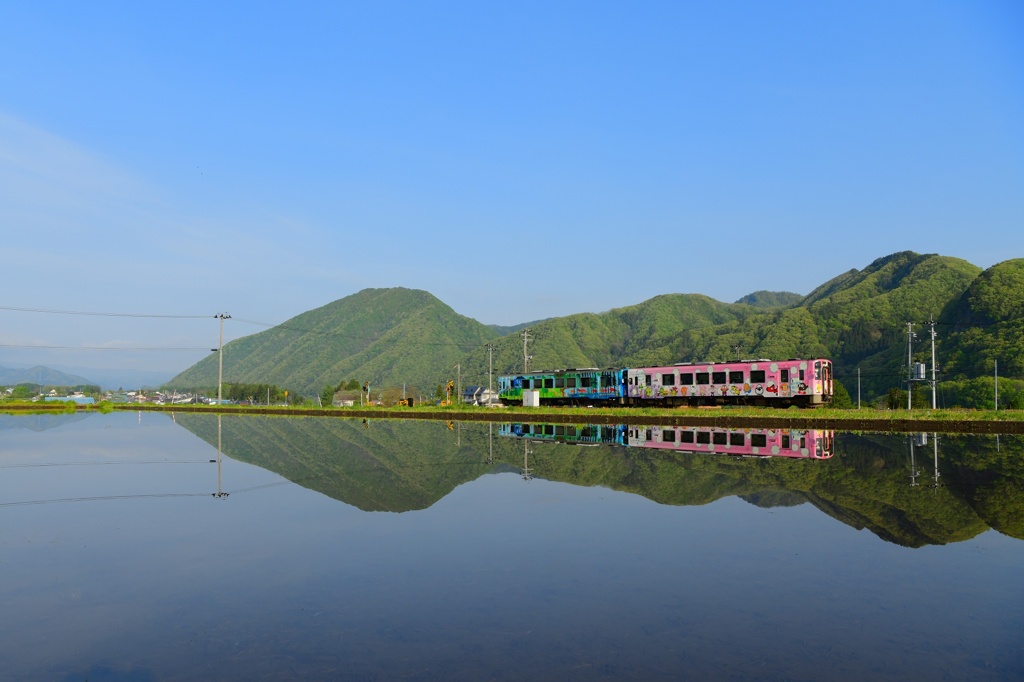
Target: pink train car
(797,443)
(806,383)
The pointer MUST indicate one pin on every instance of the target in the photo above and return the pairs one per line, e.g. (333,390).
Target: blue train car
(576,434)
(588,386)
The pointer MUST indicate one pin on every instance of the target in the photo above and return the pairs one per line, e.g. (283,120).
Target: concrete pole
(220,359)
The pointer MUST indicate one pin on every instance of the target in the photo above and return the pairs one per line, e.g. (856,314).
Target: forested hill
(392,337)
(386,336)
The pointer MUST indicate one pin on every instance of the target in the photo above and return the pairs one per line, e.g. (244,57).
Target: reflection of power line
(100,498)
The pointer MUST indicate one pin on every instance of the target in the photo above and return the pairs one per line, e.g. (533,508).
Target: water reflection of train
(797,443)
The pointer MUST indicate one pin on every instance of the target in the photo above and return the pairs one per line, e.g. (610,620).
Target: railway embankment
(945,421)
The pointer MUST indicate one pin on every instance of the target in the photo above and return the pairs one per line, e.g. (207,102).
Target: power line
(97,314)
(104,348)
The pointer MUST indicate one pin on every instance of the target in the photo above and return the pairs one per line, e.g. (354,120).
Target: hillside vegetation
(391,337)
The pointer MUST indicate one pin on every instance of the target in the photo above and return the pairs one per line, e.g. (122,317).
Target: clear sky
(517,160)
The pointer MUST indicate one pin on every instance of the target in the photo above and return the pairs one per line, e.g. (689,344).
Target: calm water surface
(335,549)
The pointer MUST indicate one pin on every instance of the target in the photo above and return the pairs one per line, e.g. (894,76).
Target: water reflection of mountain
(383,466)
(401,466)
(40,422)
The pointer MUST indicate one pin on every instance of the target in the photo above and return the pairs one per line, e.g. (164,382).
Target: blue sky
(517,160)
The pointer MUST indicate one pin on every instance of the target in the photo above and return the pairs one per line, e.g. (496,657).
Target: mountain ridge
(858,318)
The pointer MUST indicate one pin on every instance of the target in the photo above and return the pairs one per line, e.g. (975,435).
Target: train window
(720,438)
(817,370)
(570,382)
(735,377)
(703,378)
(718,377)
(668,436)
(803,442)
(785,442)
(801,375)
(784,376)
(686,379)
(668,379)
(648,435)
(586,382)
(648,378)
(549,430)
(549,383)
(757,376)
(758,440)
(736,439)
(686,437)
(559,382)
(703,437)
(559,430)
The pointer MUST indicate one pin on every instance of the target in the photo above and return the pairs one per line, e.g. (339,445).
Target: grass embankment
(949,420)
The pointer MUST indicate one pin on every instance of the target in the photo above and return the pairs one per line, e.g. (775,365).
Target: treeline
(260,394)
(26,391)
(353,389)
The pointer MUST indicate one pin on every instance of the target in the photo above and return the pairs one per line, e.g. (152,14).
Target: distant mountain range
(394,336)
(104,378)
(44,376)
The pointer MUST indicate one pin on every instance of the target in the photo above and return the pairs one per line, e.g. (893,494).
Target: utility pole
(458,381)
(490,370)
(997,385)
(220,358)
(910,362)
(934,380)
(526,358)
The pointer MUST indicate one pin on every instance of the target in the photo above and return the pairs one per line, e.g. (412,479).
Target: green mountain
(633,335)
(384,336)
(771,299)
(859,319)
(987,324)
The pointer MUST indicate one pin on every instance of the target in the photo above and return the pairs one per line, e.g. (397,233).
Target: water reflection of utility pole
(913,464)
(935,444)
(220,493)
(490,442)
(527,474)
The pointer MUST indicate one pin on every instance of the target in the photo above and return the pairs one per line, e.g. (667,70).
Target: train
(792,443)
(762,382)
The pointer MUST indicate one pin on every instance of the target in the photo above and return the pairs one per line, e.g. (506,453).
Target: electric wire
(174,349)
(101,314)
